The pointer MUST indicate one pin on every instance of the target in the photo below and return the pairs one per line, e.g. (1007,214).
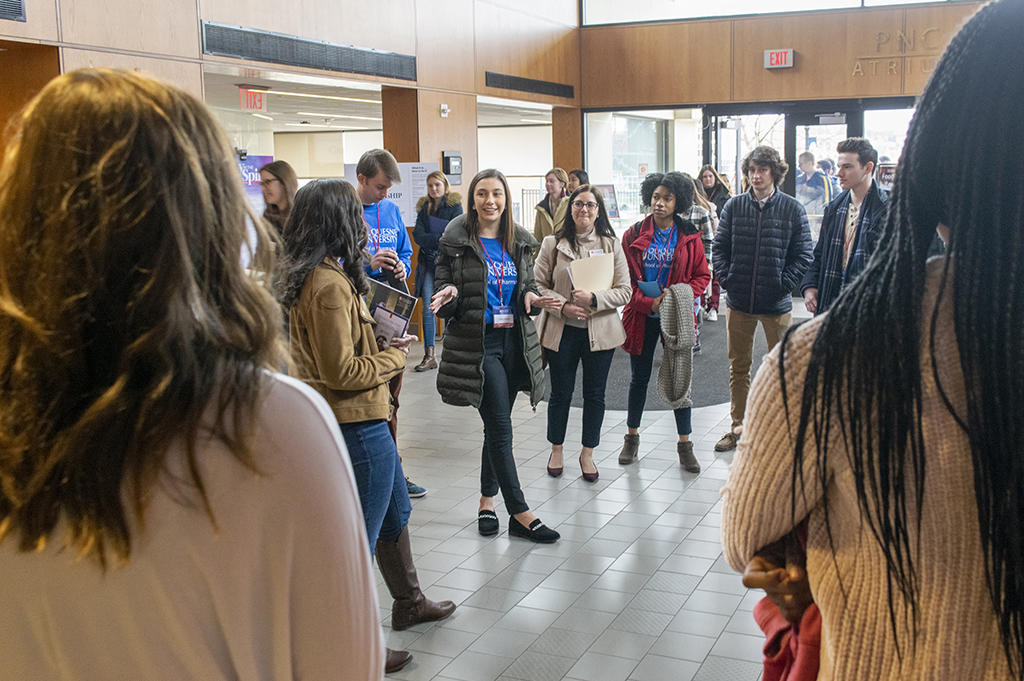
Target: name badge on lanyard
(503,317)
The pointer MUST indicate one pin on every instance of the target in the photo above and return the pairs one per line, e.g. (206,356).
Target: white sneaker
(711,316)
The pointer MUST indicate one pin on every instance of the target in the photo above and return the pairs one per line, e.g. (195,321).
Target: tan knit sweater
(957,637)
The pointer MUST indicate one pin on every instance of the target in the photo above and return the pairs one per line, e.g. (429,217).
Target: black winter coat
(760,255)
(460,262)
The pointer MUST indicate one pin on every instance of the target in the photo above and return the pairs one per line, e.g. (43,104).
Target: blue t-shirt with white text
(658,257)
(501,276)
(385,229)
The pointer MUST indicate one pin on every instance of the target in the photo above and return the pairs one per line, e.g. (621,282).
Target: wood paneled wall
(157,27)
(401,126)
(567,138)
(24,70)
(456,132)
(518,43)
(187,75)
(839,54)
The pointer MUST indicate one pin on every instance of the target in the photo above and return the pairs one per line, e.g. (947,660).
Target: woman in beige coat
(553,207)
(586,327)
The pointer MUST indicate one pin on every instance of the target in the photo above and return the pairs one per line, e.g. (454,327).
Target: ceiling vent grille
(13,10)
(247,43)
(537,87)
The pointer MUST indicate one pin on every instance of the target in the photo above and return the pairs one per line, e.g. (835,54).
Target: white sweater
(958,636)
(282,588)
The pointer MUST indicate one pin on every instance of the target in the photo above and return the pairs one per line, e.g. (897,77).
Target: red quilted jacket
(689,266)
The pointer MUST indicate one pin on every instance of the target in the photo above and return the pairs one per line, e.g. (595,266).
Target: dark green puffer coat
(460,262)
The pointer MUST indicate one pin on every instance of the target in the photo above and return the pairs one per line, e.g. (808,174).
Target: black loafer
(537,531)
(487,523)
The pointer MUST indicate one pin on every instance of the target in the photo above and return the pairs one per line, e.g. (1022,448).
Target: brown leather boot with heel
(429,361)
(410,606)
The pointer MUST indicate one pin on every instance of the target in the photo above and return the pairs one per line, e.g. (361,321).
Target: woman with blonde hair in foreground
(169,507)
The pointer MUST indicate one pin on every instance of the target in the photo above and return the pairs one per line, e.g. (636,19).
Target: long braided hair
(960,167)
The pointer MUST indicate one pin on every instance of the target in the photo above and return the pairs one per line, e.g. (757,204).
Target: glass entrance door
(812,161)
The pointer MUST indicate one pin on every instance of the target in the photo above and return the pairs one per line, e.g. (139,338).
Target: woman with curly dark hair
(663,249)
(169,506)
(322,282)
(893,421)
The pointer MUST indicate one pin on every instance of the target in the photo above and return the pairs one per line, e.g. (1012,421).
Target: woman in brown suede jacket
(335,350)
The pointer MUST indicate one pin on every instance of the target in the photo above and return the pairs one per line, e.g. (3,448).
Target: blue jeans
(429,328)
(640,375)
(574,347)
(503,367)
(383,493)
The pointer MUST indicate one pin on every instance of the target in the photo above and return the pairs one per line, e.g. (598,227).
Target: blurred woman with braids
(893,422)
(169,508)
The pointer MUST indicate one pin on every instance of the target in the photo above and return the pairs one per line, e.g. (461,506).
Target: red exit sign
(253,100)
(778,59)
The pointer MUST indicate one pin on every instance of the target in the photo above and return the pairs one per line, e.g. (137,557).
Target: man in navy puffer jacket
(761,251)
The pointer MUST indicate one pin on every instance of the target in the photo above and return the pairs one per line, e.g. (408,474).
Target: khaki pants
(741,327)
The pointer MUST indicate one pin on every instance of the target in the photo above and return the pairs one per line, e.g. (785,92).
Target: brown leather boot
(429,361)
(410,606)
(396,660)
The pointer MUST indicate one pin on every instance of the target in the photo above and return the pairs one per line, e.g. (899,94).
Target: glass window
(887,131)
(617,12)
(623,147)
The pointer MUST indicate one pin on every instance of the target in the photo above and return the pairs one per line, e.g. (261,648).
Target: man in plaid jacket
(850,226)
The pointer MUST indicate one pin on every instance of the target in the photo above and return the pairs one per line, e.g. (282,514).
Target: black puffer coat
(460,262)
(760,254)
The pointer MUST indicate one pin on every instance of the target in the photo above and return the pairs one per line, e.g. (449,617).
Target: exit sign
(252,100)
(778,59)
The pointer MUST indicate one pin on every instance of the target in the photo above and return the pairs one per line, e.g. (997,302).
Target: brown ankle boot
(410,606)
(630,447)
(396,660)
(429,362)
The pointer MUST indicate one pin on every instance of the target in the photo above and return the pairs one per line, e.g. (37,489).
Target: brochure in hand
(651,289)
(391,309)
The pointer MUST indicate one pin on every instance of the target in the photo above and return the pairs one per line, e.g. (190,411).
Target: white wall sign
(778,59)
(406,194)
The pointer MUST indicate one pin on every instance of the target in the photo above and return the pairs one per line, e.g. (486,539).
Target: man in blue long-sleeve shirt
(389,246)
(387,239)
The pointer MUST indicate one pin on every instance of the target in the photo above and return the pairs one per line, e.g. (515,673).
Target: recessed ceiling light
(528,120)
(334,115)
(332,127)
(311,96)
(263,117)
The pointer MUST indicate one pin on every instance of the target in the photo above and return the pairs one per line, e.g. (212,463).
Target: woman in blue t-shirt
(485,289)
(661,250)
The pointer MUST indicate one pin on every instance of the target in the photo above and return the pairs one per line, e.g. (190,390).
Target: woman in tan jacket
(553,207)
(335,350)
(586,327)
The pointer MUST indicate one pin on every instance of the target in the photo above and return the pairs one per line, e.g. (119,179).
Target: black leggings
(503,365)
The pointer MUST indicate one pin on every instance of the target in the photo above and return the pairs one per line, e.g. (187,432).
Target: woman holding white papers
(662,249)
(586,327)
(322,282)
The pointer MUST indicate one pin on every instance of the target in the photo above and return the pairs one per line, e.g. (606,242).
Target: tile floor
(637,588)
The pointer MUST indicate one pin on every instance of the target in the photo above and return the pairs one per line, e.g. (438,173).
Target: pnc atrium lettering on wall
(905,51)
